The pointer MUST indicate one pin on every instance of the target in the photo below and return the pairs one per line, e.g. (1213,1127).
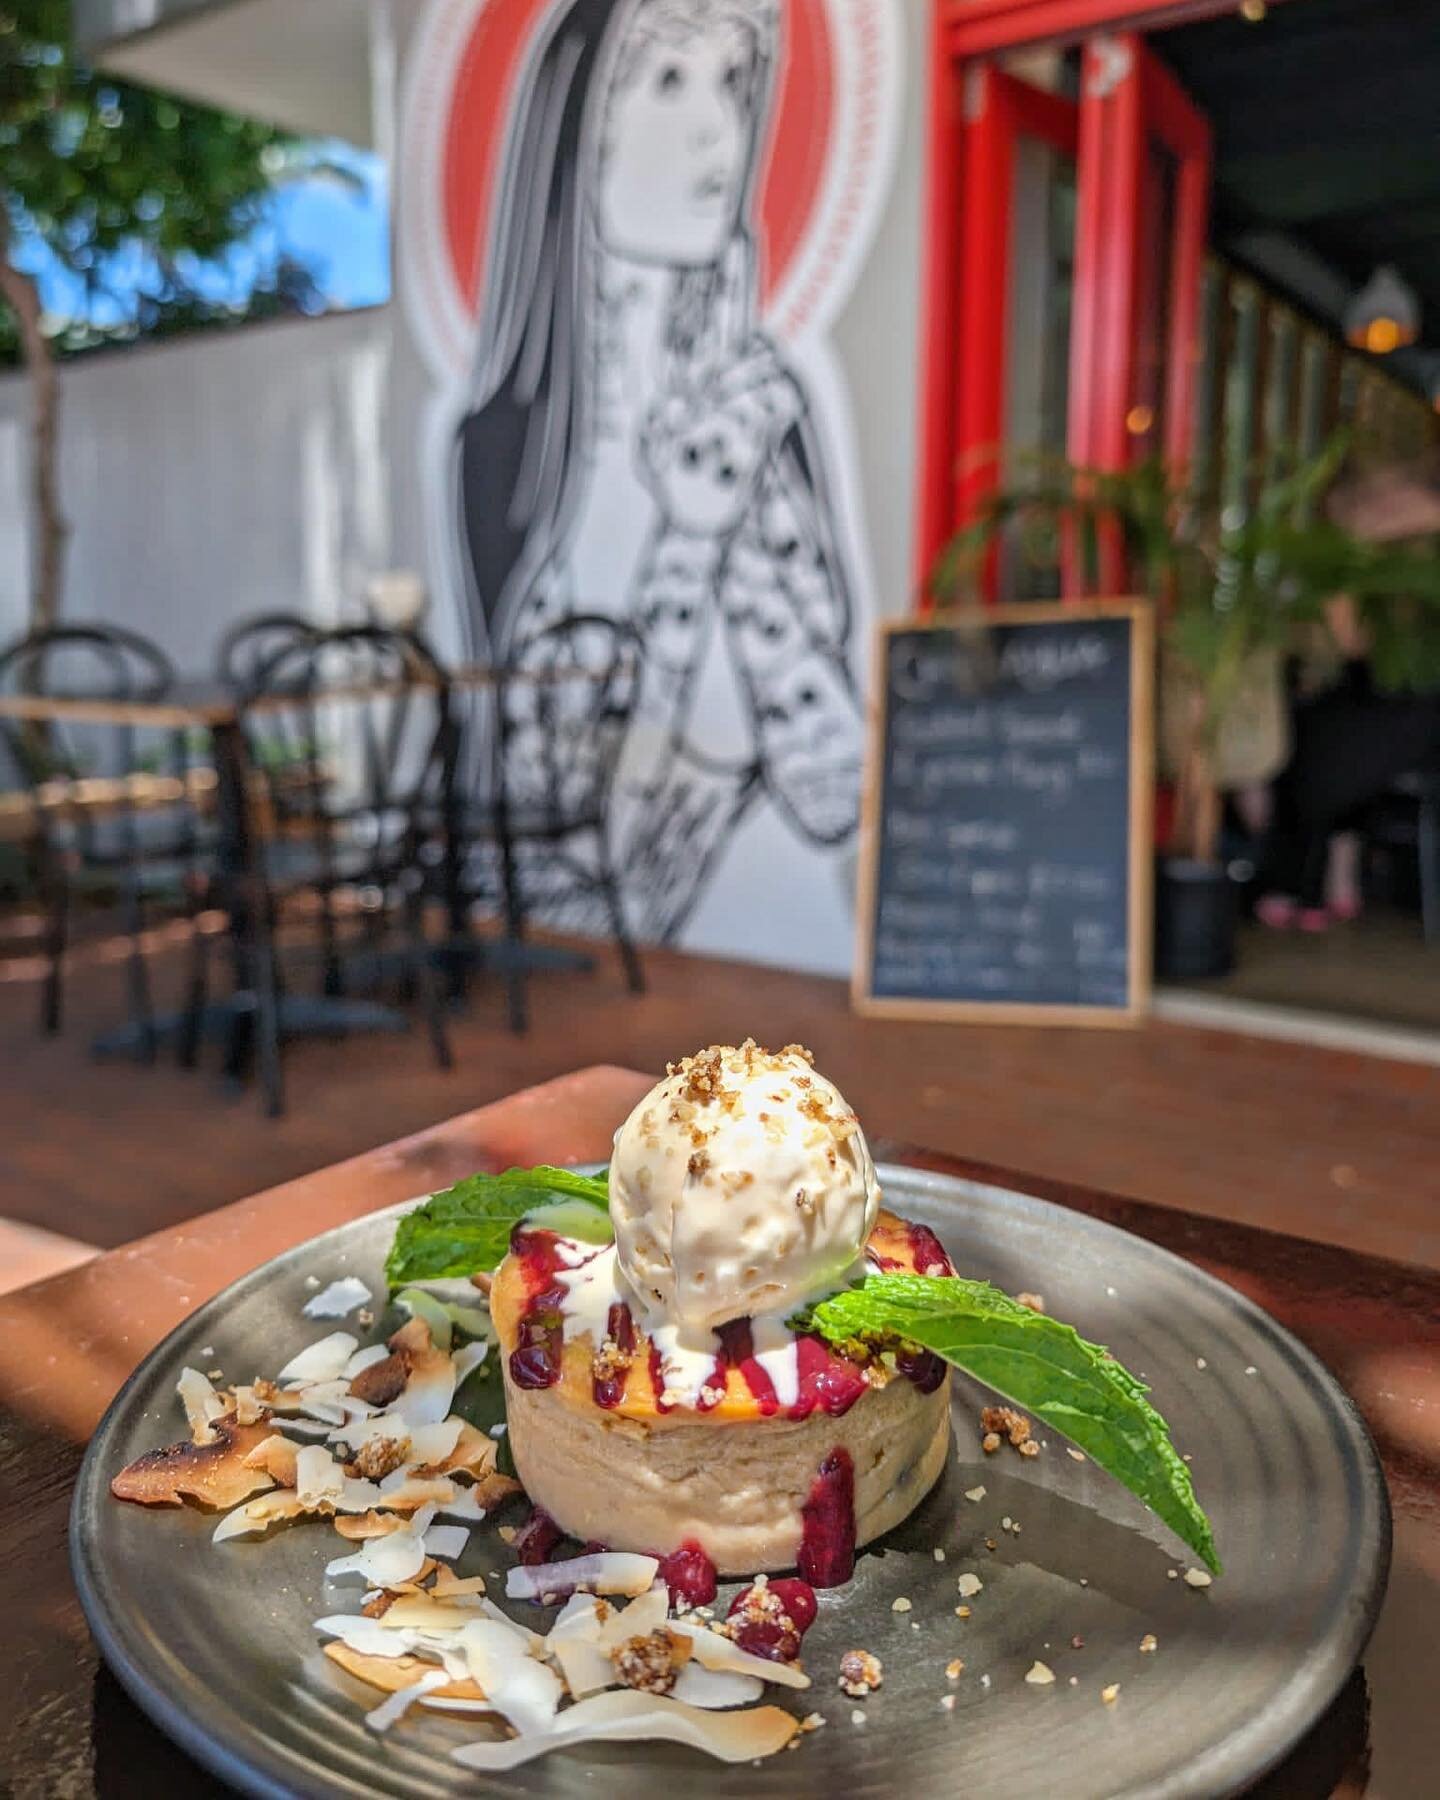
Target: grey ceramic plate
(217,1646)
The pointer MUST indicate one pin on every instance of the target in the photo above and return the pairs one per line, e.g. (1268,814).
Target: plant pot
(1195,913)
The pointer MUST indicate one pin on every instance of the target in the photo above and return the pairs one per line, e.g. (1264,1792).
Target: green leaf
(1035,1362)
(466,1229)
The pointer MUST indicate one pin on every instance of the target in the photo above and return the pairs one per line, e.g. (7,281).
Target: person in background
(1351,741)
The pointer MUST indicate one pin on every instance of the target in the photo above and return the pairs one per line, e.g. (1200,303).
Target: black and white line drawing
(634,443)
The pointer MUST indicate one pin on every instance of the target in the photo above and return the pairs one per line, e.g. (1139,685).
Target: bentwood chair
(113,810)
(349,734)
(252,642)
(532,834)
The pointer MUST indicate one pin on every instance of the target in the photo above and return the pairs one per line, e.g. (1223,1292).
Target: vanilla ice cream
(741,1184)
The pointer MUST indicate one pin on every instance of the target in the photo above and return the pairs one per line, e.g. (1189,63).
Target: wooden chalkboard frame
(1139,916)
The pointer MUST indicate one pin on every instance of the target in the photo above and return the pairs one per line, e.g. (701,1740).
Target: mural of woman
(634,445)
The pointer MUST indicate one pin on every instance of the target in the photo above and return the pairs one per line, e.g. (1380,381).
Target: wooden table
(66,1345)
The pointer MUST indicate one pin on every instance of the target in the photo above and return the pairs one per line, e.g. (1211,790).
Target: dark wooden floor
(1347,1148)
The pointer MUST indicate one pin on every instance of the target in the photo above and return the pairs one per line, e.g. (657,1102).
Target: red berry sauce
(535,1360)
(737,1351)
(689,1574)
(609,1390)
(827,1382)
(537,1538)
(827,1541)
(771,1620)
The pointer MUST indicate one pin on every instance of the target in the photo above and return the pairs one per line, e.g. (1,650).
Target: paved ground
(1347,1146)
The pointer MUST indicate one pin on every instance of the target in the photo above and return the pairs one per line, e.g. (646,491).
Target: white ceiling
(301,64)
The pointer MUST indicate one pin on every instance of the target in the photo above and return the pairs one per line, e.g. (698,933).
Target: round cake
(658,1397)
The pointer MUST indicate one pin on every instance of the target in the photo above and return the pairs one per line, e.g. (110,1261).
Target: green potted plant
(1234,586)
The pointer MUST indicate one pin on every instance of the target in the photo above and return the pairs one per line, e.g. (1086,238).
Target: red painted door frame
(972,118)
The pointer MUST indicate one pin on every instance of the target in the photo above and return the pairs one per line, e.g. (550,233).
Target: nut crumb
(507,1534)
(1172,1574)
(1029,1448)
(990,1443)
(977,1494)
(900,1605)
(857,1717)
(938,1554)
(1110,1694)
(1078,1455)
(1077,1642)
(1040,1674)
(954,1669)
(1197,1578)
(995,1420)
(1036,1302)
(969,1585)
(962,1612)
(812,1721)
(652,1662)
(947,1701)
(860,1673)
(1149,1643)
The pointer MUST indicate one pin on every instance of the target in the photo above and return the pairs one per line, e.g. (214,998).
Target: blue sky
(338,228)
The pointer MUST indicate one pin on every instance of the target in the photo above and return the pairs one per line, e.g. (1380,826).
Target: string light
(1384,315)
(1253,10)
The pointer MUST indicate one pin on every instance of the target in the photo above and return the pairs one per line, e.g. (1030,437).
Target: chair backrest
(100,664)
(348,730)
(564,702)
(251,643)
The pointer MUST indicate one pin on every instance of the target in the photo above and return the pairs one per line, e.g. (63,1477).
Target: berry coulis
(774,1632)
(827,1541)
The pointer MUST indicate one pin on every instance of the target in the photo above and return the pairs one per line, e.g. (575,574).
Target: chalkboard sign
(1006,861)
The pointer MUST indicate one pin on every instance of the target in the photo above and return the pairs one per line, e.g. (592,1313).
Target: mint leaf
(467,1228)
(1035,1362)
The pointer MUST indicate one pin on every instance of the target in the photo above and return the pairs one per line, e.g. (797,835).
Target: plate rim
(259,1770)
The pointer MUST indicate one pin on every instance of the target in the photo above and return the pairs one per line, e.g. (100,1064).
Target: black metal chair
(536,838)
(349,734)
(97,828)
(251,643)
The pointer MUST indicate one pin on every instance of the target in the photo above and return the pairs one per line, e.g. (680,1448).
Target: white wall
(212,477)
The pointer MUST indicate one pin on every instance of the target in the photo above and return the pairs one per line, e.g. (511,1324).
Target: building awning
(305,67)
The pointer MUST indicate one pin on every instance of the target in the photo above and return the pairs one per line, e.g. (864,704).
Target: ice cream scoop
(741,1184)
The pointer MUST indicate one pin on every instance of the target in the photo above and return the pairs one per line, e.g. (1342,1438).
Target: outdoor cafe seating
(332,807)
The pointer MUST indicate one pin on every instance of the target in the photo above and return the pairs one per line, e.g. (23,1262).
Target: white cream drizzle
(593,1283)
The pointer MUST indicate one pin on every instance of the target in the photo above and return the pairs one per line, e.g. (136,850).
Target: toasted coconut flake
(321,1361)
(393,1673)
(364,1359)
(214,1474)
(715,1651)
(257,1516)
(203,1406)
(449,1585)
(606,1572)
(369,1524)
(365,1635)
(465,1505)
(277,1456)
(337,1300)
(632,1717)
(406,1492)
(715,1689)
(390,1712)
(574,1644)
(420,1611)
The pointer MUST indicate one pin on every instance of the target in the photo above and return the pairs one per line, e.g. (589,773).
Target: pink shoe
(1278,911)
(1313,919)
(1346,912)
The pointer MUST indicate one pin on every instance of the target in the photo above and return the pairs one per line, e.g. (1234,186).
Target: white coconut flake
(396,1705)
(319,1479)
(969,1585)
(367,1637)
(340,1298)
(463,1506)
(520,1689)
(324,1360)
(573,1643)
(444,1703)
(202,1404)
(712,1651)
(1040,1674)
(1197,1578)
(428,1393)
(632,1717)
(606,1572)
(715,1689)
(382,1561)
(446,1541)
(468,1358)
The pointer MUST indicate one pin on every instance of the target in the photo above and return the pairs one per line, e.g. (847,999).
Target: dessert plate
(215,1643)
